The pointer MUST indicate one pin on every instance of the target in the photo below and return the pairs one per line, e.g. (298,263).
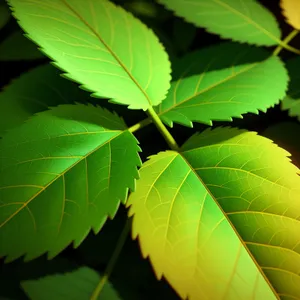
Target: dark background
(133,276)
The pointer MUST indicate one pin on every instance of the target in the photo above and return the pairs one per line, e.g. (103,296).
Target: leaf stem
(285,42)
(163,129)
(112,262)
(140,125)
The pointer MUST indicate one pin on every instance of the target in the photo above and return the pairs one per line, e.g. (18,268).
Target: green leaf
(240,20)
(34,92)
(10,48)
(101,46)
(62,173)
(213,84)
(4,14)
(220,220)
(292,101)
(13,273)
(76,285)
(292,105)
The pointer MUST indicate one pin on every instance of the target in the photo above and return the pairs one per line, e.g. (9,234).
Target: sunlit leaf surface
(221,219)
(291,11)
(101,46)
(222,82)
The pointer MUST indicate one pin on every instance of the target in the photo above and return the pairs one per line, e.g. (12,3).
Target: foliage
(218,214)
(78,284)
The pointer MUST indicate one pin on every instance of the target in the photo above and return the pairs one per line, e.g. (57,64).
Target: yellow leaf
(291,11)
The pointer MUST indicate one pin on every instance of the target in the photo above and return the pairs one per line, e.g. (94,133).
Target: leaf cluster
(218,214)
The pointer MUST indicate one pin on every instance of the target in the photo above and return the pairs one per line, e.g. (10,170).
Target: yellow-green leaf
(291,11)
(101,46)
(221,219)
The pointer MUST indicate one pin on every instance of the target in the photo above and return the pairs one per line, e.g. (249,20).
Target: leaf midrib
(57,177)
(108,48)
(208,88)
(232,226)
(250,21)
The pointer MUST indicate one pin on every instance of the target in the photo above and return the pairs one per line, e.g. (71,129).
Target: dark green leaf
(4,14)
(292,101)
(62,173)
(34,92)
(18,47)
(77,285)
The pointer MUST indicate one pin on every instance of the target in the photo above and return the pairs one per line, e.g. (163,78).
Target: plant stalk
(285,42)
(112,262)
(163,130)
(140,125)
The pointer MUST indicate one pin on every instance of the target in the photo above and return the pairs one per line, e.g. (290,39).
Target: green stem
(112,261)
(163,130)
(285,42)
(140,125)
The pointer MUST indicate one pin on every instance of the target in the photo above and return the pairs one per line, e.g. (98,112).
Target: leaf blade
(76,157)
(191,215)
(91,50)
(78,284)
(222,86)
(291,11)
(242,21)
(22,97)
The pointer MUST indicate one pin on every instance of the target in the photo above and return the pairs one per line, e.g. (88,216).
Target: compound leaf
(213,84)
(101,46)
(62,173)
(4,14)
(22,97)
(291,11)
(292,101)
(76,285)
(220,220)
(240,20)
(10,48)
